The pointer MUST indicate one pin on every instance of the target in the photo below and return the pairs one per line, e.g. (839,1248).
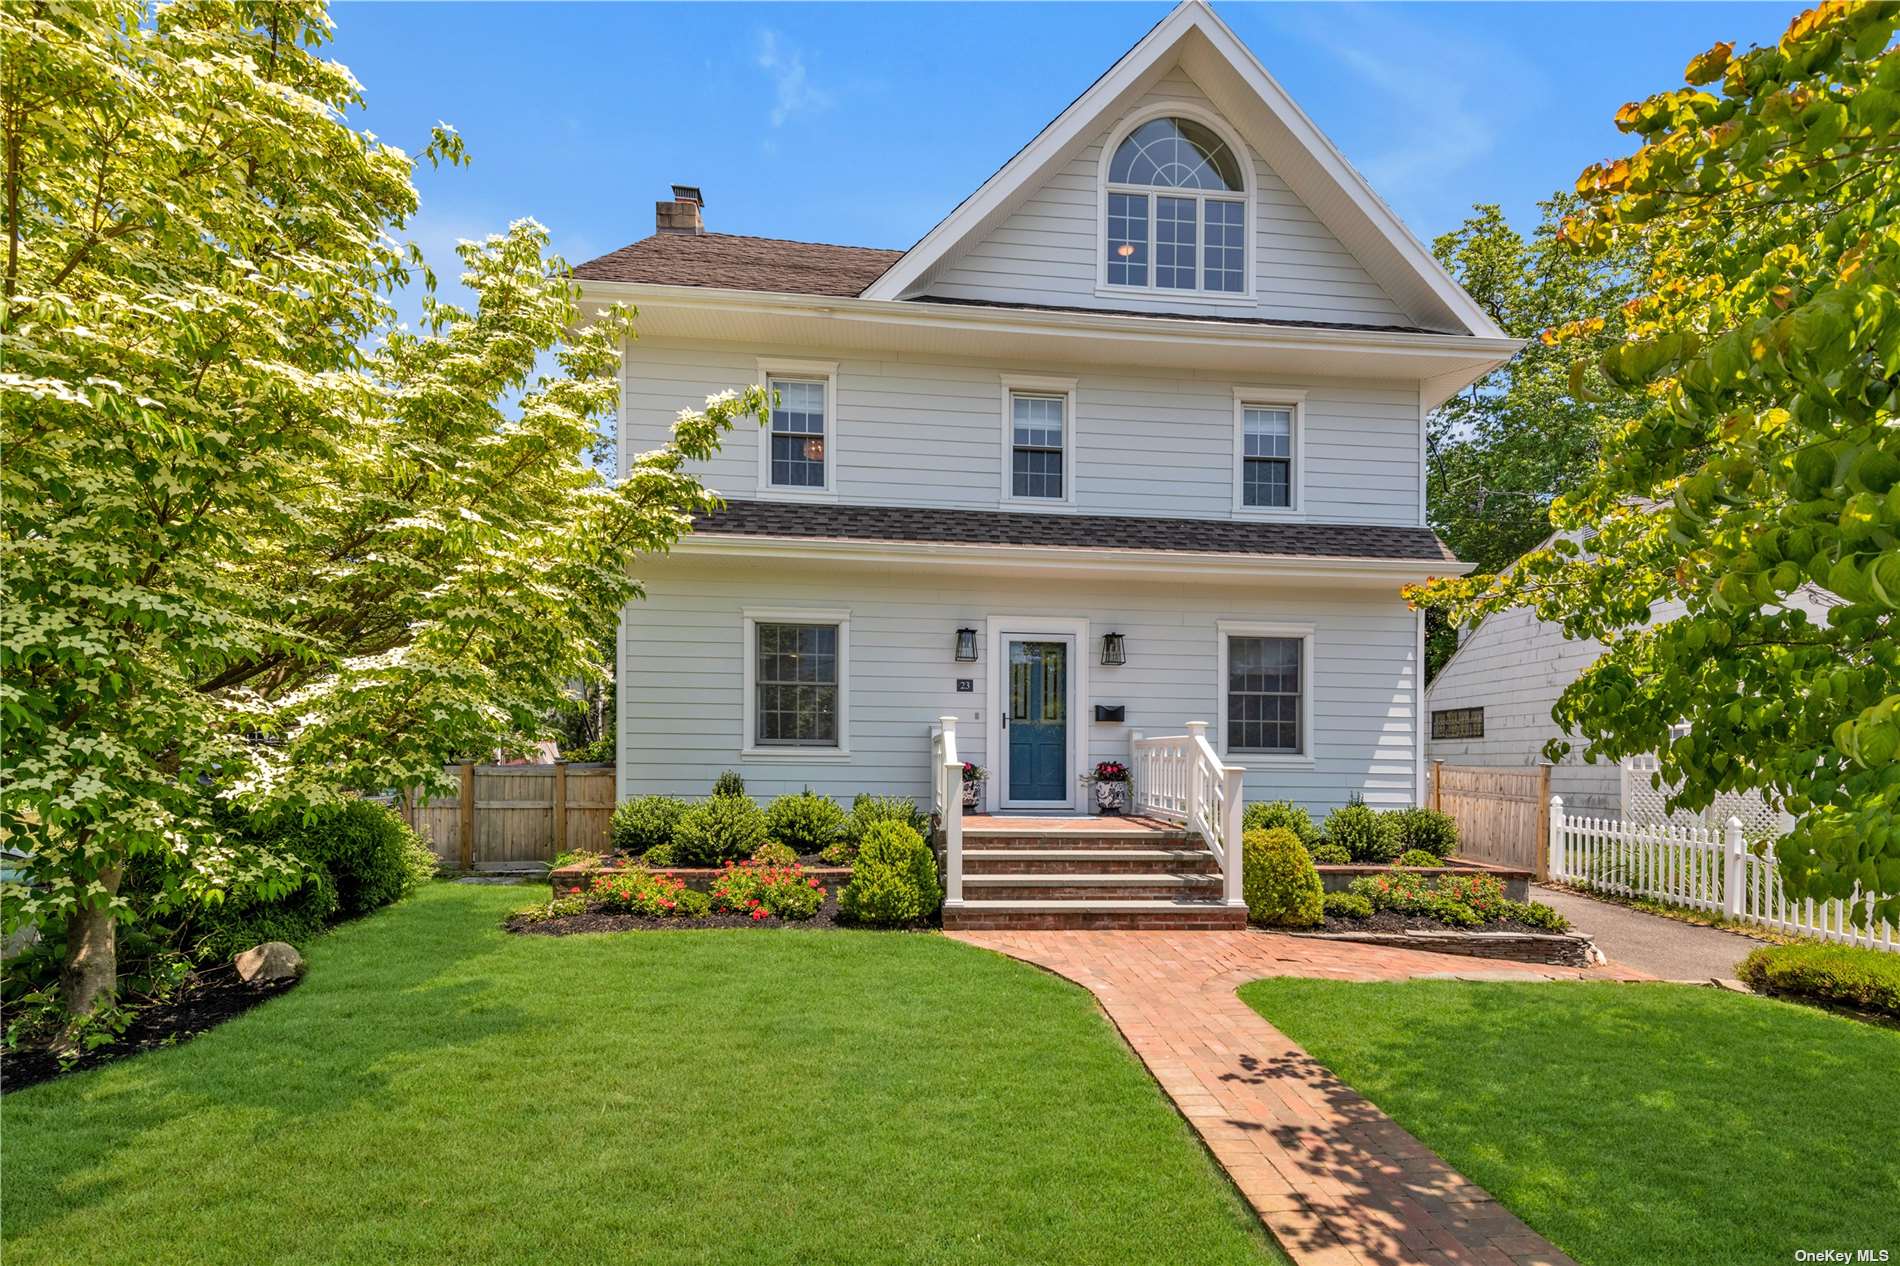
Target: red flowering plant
(973,772)
(763,889)
(642,892)
(1111,771)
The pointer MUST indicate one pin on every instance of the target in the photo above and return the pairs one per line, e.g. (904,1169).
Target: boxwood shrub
(806,822)
(1278,879)
(894,880)
(1426,830)
(868,810)
(1368,836)
(372,856)
(1419,857)
(1347,905)
(1847,975)
(645,822)
(722,829)
(1280,813)
(1331,854)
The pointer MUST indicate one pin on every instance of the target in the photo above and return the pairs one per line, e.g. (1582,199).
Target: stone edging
(1559,949)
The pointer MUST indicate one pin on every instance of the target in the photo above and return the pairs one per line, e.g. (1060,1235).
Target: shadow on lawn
(1647,1129)
(381,993)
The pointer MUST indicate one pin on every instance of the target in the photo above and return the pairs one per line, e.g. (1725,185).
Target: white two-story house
(1132,438)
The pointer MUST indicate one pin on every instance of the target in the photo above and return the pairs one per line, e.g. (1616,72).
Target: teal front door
(1038,722)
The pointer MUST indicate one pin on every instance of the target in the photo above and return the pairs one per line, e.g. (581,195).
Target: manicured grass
(440,1091)
(1629,1123)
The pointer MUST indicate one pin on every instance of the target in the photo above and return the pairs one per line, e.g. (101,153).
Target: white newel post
(1733,852)
(1230,833)
(1134,771)
(1559,864)
(1195,790)
(952,793)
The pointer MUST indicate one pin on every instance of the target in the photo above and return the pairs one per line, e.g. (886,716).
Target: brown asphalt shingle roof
(832,521)
(729,262)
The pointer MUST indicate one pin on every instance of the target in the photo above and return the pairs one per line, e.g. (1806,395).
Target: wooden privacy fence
(1502,814)
(515,817)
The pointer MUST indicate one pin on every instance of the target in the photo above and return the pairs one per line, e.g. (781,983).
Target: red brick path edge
(1337,1181)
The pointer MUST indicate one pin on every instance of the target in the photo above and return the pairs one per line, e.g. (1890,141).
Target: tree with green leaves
(262,544)
(1764,353)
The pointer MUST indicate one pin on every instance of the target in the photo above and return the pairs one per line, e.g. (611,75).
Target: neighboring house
(1490,706)
(1132,438)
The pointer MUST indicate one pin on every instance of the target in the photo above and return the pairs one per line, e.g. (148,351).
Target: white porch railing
(1180,778)
(946,803)
(1702,868)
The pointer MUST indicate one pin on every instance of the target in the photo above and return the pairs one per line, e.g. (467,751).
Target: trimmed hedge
(371,854)
(722,829)
(1280,813)
(1367,835)
(645,822)
(1418,857)
(1347,905)
(868,810)
(1426,830)
(1847,975)
(806,822)
(893,881)
(1331,854)
(1278,880)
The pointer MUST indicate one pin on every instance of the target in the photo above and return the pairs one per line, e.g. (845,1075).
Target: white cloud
(784,65)
(1422,83)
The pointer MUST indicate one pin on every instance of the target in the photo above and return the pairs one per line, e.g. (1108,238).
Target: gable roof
(1093,532)
(1255,104)
(727,261)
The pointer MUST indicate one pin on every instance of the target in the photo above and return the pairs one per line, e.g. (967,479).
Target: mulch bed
(205,1000)
(1394,921)
(598,921)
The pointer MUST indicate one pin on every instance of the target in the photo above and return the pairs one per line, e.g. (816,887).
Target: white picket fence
(1700,867)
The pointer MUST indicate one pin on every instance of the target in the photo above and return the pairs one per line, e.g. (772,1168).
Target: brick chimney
(681,215)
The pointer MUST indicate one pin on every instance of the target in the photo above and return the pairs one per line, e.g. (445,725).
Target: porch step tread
(1085,854)
(1060,880)
(1120,905)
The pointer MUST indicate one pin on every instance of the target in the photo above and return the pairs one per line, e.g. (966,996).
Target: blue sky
(866,123)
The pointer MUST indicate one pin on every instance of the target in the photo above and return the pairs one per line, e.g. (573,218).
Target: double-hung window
(1176,211)
(1266,436)
(1267,676)
(1038,440)
(798,433)
(798,452)
(1035,468)
(795,681)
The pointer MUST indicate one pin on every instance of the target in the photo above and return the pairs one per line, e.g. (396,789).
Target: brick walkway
(1335,1179)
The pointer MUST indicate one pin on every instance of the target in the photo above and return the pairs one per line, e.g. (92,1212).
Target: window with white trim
(798,432)
(1266,438)
(1266,683)
(796,684)
(1038,427)
(1193,237)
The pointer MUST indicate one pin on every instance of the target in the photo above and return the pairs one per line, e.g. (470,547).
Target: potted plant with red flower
(973,776)
(1111,787)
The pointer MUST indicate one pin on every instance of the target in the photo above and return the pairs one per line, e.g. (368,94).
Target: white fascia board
(1106,324)
(1077,561)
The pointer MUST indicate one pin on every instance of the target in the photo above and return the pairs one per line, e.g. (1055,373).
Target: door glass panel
(1038,738)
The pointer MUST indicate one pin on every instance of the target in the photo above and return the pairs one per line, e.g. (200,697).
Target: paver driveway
(1337,1181)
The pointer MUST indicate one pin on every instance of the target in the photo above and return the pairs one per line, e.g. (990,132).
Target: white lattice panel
(1646,804)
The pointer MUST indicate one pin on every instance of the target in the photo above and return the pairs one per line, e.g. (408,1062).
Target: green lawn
(1633,1124)
(438,1091)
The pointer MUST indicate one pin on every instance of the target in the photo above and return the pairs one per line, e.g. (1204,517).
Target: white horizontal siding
(918,432)
(682,673)
(1044,252)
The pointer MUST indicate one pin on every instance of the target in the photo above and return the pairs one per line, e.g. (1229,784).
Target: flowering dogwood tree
(1764,349)
(262,545)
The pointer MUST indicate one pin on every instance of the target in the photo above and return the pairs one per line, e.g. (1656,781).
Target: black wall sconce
(966,646)
(1113,652)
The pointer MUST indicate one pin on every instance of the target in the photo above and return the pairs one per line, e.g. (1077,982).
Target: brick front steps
(1087,873)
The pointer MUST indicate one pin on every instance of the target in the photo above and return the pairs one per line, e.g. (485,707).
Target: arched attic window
(1177,210)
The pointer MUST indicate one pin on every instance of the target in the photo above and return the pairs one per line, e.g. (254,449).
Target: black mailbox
(1111,712)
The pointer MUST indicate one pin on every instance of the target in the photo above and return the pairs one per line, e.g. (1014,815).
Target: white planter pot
(1111,797)
(972,796)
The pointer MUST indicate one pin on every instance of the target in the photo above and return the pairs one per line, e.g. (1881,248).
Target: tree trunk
(92,952)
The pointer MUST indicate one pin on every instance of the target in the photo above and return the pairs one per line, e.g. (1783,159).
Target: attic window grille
(1194,236)
(1458,723)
